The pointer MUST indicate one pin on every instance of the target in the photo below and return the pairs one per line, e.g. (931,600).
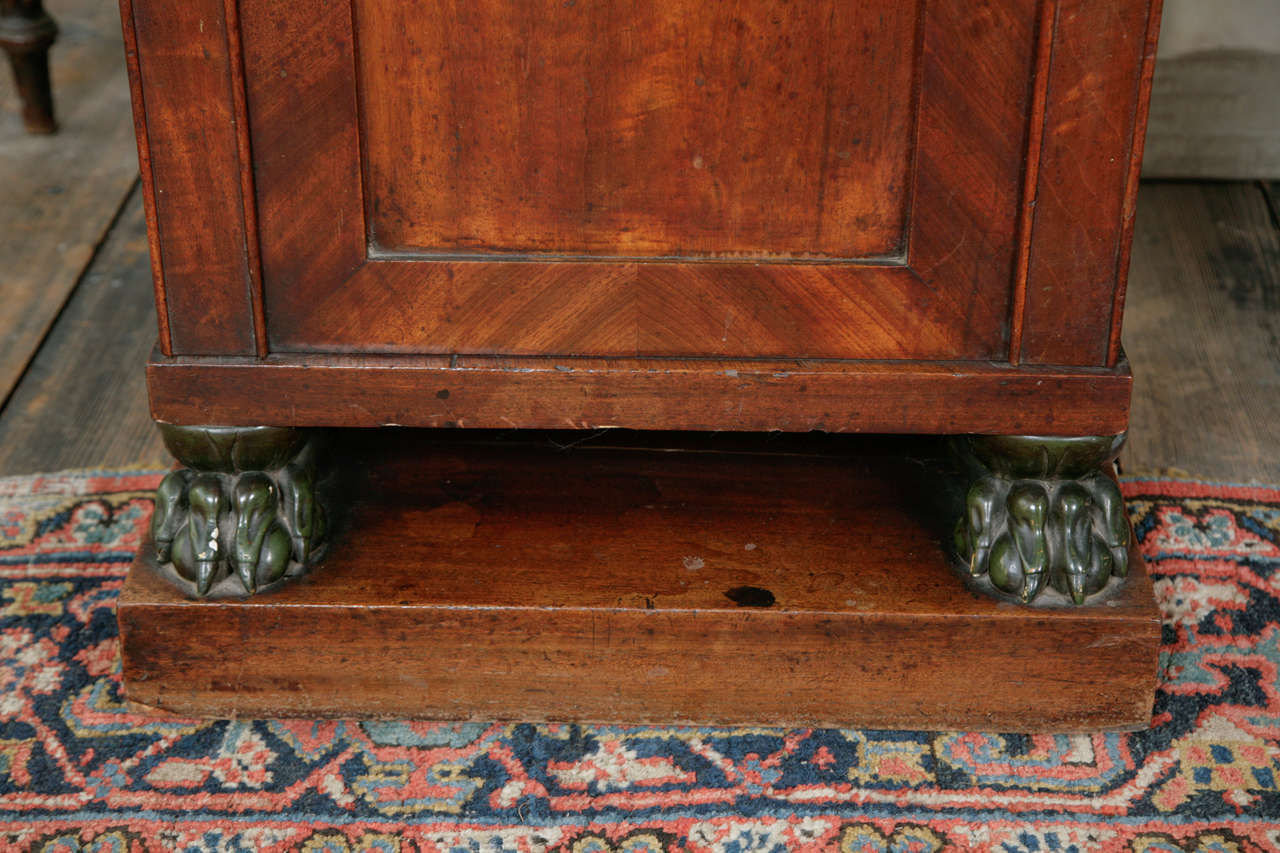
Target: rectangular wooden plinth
(735,583)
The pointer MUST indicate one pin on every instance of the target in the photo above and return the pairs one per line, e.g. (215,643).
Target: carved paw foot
(245,506)
(1040,513)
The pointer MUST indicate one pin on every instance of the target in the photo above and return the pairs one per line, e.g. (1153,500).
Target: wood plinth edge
(483,583)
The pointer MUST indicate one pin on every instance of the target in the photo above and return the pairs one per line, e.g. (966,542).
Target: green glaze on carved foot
(243,514)
(1041,514)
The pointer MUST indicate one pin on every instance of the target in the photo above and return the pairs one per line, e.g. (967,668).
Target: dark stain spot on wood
(442,394)
(1235,266)
(751,596)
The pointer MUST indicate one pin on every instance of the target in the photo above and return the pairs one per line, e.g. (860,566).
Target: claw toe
(255,507)
(207,506)
(170,512)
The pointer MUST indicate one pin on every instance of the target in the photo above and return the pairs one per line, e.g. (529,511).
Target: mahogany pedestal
(732,580)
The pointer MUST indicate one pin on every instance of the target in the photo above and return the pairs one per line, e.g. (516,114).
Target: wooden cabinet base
(731,580)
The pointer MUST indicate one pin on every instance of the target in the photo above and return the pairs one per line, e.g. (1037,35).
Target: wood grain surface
(634,309)
(327,290)
(1204,364)
(186,117)
(641,129)
(1197,245)
(492,582)
(1203,328)
(82,402)
(700,394)
(60,193)
(1094,129)
(527,180)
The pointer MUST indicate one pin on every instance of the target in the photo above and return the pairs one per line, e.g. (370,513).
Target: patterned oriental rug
(80,772)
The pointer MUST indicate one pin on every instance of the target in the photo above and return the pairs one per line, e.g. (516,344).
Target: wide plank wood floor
(1202,325)
(1202,329)
(59,194)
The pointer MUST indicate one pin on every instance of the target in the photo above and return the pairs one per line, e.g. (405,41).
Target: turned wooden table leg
(26,33)
(243,514)
(1041,512)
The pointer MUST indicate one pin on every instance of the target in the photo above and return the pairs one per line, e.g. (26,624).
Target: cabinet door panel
(634,128)
(827,179)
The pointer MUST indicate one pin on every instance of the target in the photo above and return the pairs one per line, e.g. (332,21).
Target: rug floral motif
(80,771)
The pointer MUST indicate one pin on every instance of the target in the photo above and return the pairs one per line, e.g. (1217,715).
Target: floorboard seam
(1273,207)
(57,317)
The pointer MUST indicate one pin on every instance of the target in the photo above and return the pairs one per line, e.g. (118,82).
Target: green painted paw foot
(243,514)
(1041,514)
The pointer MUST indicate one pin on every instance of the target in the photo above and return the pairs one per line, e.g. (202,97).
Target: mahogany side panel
(299,66)
(595,308)
(889,397)
(969,98)
(1114,352)
(1084,206)
(146,176)
(972,98)
(183,87)
(976,59)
